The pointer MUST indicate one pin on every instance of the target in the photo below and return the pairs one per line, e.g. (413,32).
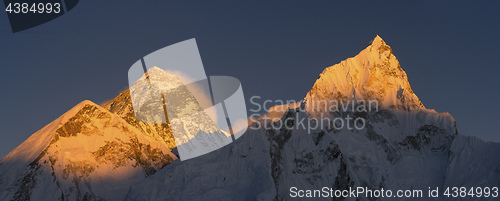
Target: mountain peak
(36,143)
(83,104)
(87,147)
(377,42)
(378,48)
(373,74)
(86,102)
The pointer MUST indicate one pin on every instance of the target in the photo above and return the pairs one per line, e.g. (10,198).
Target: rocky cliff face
(122,106)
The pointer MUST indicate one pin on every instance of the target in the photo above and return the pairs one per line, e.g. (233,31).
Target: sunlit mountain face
(87,153)
(103,152)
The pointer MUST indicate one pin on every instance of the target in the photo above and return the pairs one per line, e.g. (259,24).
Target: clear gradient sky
(449,50)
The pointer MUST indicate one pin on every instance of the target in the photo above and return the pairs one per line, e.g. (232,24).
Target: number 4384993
(33,8)
(471,192)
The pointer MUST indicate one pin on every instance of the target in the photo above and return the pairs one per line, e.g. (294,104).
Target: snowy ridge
(122,106)
(479,157)
(31,148)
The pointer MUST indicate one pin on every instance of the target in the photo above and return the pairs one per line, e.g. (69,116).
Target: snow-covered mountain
(88,153)
(184,106)
(97,152)
(192,121)
(403,146)
(105,153)
(373,74)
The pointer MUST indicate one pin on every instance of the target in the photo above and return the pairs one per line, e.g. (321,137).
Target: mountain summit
(373,74)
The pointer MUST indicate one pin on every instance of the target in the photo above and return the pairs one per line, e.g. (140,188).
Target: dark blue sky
(449,50)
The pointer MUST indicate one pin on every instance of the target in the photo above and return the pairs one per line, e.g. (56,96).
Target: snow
(403,146)
(69,163)
(31,148)
(373,74)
